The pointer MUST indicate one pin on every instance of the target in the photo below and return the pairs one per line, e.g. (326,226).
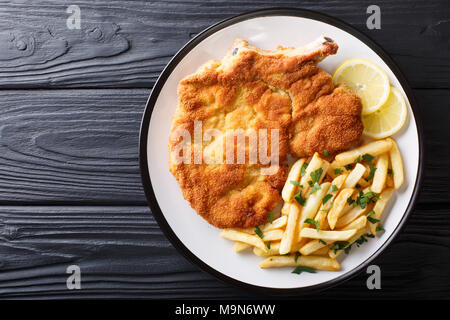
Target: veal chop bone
(253,89)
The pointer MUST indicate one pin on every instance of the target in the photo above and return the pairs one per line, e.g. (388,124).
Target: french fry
(334,254)
(285,208)
(318,263)
(357,224)
(327,235)
(335,170)
(397,164)
(338,206)
(240,246)
(379,179)
(378,208)
(346,209)
(338,182)
(363,183)
(355,213)
(312,246)
(389,181)
(294,175)
(312,205)
(325,166)
(374,148)
(278,223)
(321,215)
(340,222)
(367,172)
(234,235)
(272,235)
(313,165)
(273,250)
(355,175)
(289,234)
(322,252)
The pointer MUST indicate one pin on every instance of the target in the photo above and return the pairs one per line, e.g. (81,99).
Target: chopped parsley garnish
(372,220)
(259,232)
(359,242)
(338,171)
(331,205)
(326,198)
(296,183)
(298,197)
(297,254)
(370,213)
(358,159)
(301,269)
(368,157)
(315,188)
(350,201)
(371,173)
(310,183)
(325,153)
(314,222)
(333,188)
(339,245)
(315,176)
(390,172)
(379,228)
(348,167)
(303,169)
(268,245)
(358,186)
(322,242)
(270,217)
(364,198)
(286,254)
(372,195)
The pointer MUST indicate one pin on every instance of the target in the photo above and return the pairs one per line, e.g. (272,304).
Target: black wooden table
(71,102)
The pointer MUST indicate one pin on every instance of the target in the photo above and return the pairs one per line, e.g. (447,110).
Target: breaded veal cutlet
(257,89)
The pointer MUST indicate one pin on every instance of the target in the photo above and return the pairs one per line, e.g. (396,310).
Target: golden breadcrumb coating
(252,89)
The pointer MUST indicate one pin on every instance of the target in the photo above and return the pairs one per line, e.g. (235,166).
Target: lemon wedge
(365,79)
(388,119)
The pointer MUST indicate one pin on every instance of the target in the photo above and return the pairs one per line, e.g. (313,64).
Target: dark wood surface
(70,190)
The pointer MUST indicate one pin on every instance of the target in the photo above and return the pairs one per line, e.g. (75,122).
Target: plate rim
(146,118)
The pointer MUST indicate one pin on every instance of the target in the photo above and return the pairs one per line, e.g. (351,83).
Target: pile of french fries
(327,208)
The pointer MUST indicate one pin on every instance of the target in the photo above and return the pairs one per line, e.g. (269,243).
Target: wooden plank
(71,145)
(122,253)
(128,43)
(80,146)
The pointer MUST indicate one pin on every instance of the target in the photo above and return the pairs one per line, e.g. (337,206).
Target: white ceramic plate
(192,235)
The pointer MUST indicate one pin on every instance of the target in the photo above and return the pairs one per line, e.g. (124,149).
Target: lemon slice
(388,119)
(365,79)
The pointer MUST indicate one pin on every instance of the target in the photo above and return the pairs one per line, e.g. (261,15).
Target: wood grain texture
(80,146)
(122,253)
(70,145)
(70,190)
(128,43)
